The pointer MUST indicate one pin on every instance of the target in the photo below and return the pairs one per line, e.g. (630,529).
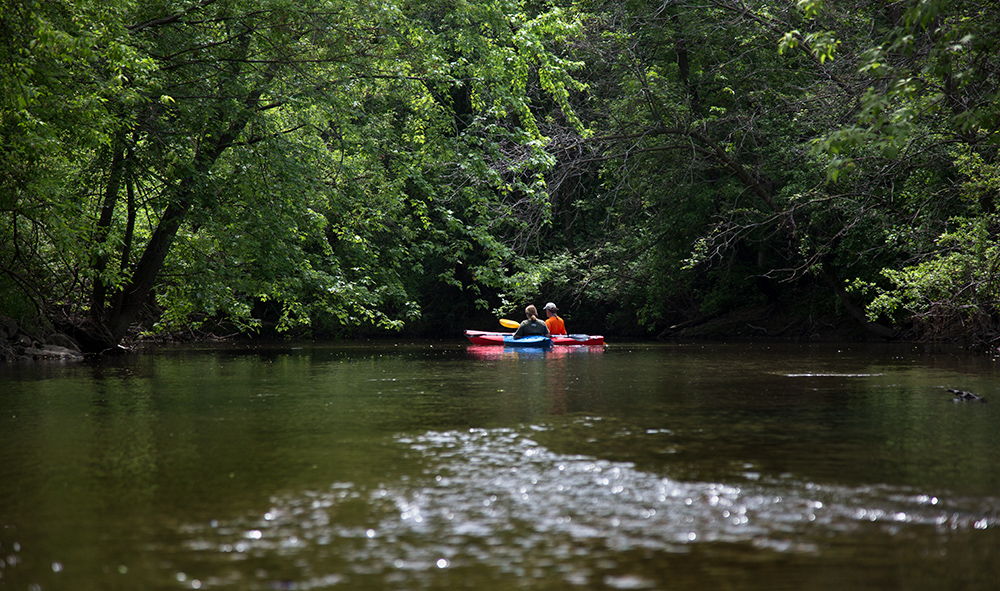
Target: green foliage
(931,77)
(334,167)
(50,117)
(955,293)
(14,302)
(930,108)
(273,163)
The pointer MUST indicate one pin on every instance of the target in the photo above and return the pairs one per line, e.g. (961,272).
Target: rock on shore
(16,343)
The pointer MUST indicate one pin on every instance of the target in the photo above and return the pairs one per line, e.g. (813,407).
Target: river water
(450,466)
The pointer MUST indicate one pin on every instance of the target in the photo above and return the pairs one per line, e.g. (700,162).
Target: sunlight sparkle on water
(487,500)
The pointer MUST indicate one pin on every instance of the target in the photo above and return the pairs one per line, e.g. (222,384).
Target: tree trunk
(128,303)
(111,191)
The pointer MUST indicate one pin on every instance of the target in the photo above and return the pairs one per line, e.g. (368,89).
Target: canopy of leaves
(334,167)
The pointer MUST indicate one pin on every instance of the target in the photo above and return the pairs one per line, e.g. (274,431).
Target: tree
(51,112)
(931,115)
(694,135)
(721,143)
(296,160)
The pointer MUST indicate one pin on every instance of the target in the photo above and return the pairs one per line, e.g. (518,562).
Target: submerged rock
(963,396)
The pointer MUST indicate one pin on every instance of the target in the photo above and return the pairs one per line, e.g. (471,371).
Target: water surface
(450,466)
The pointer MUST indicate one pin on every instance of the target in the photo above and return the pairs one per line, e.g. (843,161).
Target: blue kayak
(529,341)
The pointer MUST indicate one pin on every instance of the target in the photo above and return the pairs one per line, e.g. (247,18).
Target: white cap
(551,306)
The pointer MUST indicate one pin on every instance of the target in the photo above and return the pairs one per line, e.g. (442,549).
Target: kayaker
(531,326)
(554,323)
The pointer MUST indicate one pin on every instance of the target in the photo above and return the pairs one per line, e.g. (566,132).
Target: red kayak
(482,337)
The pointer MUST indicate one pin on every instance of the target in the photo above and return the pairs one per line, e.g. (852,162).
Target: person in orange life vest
(554,322)
(531,326)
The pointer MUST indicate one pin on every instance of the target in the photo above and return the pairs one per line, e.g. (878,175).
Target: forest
(349,168)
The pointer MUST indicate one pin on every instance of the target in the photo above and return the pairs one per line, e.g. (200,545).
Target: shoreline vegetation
(35,342)
(729,169)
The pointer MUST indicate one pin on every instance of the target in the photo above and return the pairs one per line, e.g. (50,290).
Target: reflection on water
(496,497)
(447,466)
(494,352)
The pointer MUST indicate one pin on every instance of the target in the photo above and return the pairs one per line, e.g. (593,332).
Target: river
(442,465)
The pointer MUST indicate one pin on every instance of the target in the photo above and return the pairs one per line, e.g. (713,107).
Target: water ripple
(498,497)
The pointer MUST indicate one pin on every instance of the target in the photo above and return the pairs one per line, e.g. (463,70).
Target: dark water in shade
(448,466)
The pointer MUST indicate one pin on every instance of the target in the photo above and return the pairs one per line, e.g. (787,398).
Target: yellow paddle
(509,323)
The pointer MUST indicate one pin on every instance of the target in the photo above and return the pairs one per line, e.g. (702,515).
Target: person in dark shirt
(531,326)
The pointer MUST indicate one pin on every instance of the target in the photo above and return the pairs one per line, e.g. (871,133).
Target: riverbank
(19,342)
(770,322)
(23,342)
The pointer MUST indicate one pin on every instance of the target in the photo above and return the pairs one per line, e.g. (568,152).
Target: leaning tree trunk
(116,320)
